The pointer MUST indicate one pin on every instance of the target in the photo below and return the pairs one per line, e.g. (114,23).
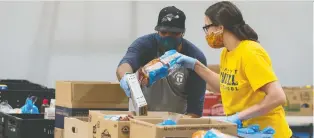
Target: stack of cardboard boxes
(76,98)
(81,108)
(299,101)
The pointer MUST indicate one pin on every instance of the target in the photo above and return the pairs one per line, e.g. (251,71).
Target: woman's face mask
(168,42)
(215,39)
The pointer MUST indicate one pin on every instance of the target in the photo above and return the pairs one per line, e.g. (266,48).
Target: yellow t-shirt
(242,72)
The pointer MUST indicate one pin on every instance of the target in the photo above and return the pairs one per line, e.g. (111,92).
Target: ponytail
(244,32)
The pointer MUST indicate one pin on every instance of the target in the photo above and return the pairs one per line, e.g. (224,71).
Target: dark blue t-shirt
(145,48)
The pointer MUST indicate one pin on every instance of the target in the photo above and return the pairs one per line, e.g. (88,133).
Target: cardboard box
(94,120)
(76,98)
(147,128)
(58,133)
(137,97)
(76,127)
(299,101)
(117,129)
(213,105)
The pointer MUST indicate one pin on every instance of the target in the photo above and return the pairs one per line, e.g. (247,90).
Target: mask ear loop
(218,32)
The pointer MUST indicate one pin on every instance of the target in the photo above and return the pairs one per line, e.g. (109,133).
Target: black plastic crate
(29,126)
(4,123)
(302,129)
(17,98)
(24,86)
(13,81)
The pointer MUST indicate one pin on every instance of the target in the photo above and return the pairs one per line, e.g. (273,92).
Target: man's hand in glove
(124,85)
(187,62)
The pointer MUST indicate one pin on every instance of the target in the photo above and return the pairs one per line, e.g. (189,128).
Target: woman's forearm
(270,102)
(211,78)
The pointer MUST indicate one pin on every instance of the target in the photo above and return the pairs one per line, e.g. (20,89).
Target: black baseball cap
(171,19)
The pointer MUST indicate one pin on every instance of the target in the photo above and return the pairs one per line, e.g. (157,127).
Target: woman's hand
(187,62)
(235,119)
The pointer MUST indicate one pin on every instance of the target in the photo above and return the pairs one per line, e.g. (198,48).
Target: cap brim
(169,29)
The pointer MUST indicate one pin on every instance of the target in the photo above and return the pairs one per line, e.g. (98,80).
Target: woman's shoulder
(252,48)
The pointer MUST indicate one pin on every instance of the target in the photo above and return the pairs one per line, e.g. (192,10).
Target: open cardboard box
(148,128)
(100,127)
(58,133)
(75,127)
(94,118)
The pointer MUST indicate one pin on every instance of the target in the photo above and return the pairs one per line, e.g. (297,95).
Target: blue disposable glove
(235,119)
(124,85)
(187,62)
(167,122)
(253,132)
(252,129)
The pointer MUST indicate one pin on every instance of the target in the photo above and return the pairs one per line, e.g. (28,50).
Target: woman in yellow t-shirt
(251,92)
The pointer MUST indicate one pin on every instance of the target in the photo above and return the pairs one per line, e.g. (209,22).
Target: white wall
(49,41)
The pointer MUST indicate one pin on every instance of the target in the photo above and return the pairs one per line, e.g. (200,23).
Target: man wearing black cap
(181,92)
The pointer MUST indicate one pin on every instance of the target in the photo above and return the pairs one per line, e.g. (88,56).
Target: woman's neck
(231,42)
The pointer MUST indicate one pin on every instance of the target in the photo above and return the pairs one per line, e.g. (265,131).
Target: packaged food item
(253,131)
(3,87)
(30,107)
(118,117)
(160,68)
(138,101)
(212,133)
(170,119)
(199,134)
(44,106)
(5,107)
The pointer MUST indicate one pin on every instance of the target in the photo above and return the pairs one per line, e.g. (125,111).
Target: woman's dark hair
(228,15)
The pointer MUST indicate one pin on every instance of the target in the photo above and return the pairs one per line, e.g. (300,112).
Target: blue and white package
(30,107)
(161,67)
(213,133)
(254,132)
(170,119)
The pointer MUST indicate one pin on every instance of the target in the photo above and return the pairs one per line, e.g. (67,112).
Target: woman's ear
(221,28)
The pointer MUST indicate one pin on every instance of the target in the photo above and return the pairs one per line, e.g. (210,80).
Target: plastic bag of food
(254,132)
(5,107)
(213,133)
(199,134)
(30,107)
(170,119)
(160,68)
(123,117)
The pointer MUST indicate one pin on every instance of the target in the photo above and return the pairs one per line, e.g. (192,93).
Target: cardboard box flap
(91,93)
(182,121)
(185,127)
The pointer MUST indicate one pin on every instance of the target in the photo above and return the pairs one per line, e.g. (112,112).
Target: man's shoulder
(146,38)
(145,41)
(193,51)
